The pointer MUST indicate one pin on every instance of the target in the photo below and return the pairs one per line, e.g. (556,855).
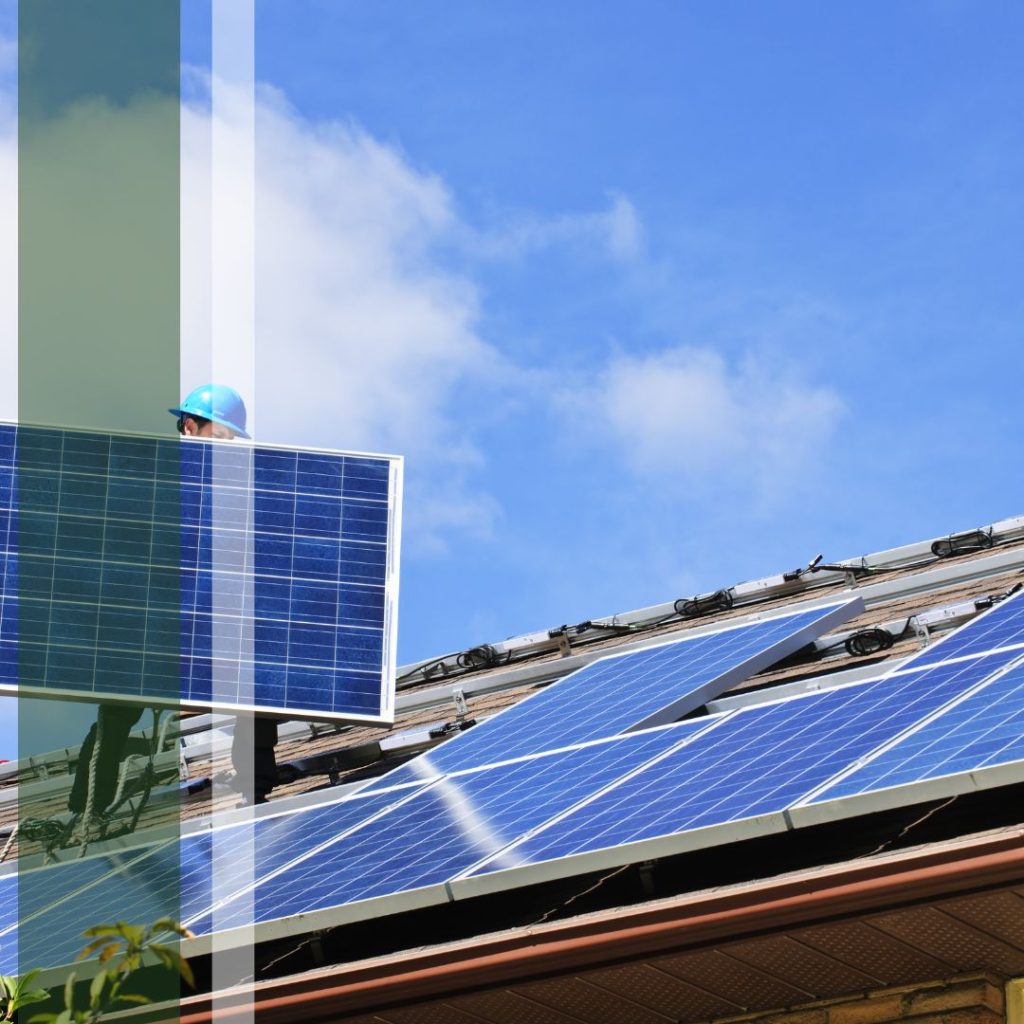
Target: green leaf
(174,959)
(133,933)
(134,997)
(162,955)
(88,951)
(33,995)
(186,972)
(167,924)
(69,992)
(99,983)
(43,1018)
(108,953)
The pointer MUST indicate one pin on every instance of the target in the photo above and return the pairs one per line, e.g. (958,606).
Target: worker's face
(192,428)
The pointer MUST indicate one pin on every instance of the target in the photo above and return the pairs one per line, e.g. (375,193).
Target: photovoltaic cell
(448,826)
(8,902)
(8,924)
(760,760)
(982,730)
(1000,626)
(177,878)
(212,574)
(626,691)
(38,890)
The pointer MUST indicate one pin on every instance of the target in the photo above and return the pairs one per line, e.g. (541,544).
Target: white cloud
(362,340)
(615,233)
(687,415)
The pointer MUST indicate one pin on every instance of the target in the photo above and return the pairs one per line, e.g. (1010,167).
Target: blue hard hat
(216,402)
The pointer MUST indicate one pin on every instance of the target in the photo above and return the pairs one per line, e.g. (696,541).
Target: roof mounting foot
(646,873)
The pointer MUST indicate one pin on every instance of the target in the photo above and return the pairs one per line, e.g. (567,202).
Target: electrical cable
(722,600)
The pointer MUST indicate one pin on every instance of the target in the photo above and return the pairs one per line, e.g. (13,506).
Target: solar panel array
(983,730)
(446,827)
(621,799)
(759,761)
(206,574)
(632,690)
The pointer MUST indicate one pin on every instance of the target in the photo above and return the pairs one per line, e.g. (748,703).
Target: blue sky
(824,199)
(654,297)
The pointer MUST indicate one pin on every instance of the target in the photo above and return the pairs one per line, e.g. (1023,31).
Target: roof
(711,913)
(897,586)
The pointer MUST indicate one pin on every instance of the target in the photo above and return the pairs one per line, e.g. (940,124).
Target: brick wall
(972,999)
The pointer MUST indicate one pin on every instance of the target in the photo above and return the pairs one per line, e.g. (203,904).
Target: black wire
(687,609)
(873,640)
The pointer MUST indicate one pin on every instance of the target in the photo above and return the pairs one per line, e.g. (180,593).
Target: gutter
(669,926)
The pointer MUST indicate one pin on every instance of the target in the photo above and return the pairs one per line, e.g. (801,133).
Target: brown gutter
(601,940)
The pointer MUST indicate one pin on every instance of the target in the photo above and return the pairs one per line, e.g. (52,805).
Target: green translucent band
(99,322)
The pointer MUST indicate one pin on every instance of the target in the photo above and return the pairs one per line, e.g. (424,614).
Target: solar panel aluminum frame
(466,887)
(317,920)
(389,664)
(804,813)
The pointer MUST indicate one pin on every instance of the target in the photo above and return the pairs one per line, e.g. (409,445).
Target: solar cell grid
(758,761)
(178,878)
(626,691)
(8,924)
(999,626)
(8,902)
(447,826)
(982,730)
(224,575)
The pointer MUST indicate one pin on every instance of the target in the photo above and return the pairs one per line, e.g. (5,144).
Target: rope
(90,795)
(10,842)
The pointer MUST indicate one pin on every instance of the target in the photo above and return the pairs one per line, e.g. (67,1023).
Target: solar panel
(8,902)
(630,690)
(982,730)
(176,879)
(747,770)
(8,924)
(998,627)
(208,574)
(38,890)
(440,830)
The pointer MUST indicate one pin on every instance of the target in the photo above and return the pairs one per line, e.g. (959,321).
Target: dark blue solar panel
(8,924)
(984,729)
(758,761)
(217,575)
(450,825)
(178,878)
(8,902)
(621,692)
(1000,626)
(39,890)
